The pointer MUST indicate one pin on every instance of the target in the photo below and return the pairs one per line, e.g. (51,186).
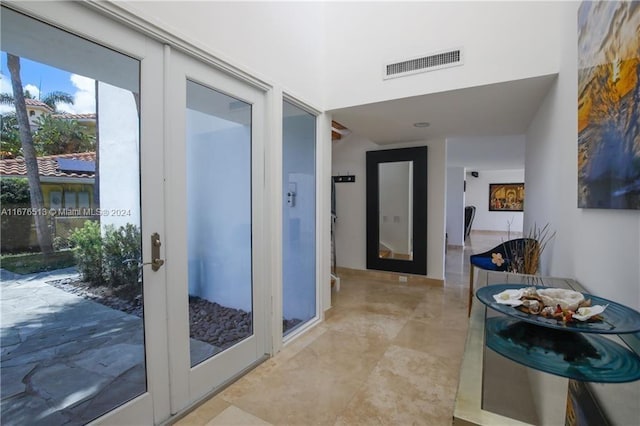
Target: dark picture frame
(506,197)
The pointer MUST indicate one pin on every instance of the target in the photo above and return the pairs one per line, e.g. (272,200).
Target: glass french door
(216,298)
(154,295)
(81,319)
(299,304)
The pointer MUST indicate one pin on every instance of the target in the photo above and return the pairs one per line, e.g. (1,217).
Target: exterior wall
(34,114)
(478,195)
(62,224)
(599,248)
(119,156)
(350,229)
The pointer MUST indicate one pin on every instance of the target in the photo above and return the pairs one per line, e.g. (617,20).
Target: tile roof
(47,165)
(37,103)
(69,116)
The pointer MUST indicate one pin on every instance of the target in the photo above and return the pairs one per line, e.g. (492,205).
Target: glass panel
(83,200)
(70,200)
(396,210)
(299,217)
(71,320)
(218,221)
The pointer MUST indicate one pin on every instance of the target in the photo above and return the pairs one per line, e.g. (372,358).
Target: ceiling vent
(432,62)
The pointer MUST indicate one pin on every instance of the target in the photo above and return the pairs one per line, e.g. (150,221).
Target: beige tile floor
(387,354)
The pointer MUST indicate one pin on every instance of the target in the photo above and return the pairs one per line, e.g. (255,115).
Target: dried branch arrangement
(525,258)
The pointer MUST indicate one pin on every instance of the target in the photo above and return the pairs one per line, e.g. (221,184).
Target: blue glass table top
(618,319)
(585,357)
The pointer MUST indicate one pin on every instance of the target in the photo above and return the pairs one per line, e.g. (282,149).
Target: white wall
(502,41)
(455,205)
(281,42)
(478,195)
(600,248)
(479,152)
(219,210)
(349,158)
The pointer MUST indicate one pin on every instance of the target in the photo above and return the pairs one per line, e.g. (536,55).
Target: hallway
(388,353)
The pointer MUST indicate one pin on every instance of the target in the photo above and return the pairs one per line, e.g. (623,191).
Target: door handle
(156,263)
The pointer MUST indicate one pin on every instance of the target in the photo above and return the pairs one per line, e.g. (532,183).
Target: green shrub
(15,229)
(113,259)
(29,263)
(87,243)
(61,243)
(14,191)
(122,253)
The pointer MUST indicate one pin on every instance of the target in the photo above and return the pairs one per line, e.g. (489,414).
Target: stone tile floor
(64,359)
(387,354)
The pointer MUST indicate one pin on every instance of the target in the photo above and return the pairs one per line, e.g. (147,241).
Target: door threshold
(184,412)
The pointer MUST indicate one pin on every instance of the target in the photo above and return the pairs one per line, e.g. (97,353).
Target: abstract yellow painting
(609,105)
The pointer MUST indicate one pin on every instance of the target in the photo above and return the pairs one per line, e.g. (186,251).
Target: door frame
(86,23)
(116,25)
(319,215)
(190,384)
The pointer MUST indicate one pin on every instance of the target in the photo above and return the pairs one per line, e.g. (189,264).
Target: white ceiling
(471,117)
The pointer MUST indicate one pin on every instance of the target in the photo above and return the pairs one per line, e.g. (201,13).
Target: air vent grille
(450,58)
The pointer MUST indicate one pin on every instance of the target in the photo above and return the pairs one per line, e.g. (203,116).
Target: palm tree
(52,99)
(28,151)
(6,99)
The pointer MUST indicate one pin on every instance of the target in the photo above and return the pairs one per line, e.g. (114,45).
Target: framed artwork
(608,105)
(506,197)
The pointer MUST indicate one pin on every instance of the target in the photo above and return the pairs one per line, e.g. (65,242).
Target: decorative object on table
(616,318)
(585,357)
(499,258)
(608,105)
(520,255)
(506,197)
(558,303)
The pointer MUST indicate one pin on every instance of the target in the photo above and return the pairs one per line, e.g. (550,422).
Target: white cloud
(5,84)
(33,91)
(84,97)
(5,87)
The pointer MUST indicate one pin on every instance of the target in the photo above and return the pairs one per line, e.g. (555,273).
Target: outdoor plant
(87,243)
(16,229)
(121,251)
(111,259)
(61,243)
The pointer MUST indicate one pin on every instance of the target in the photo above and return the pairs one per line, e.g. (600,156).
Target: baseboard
(489,232)
(388,276)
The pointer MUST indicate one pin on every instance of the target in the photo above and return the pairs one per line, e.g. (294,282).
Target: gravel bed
(210,322)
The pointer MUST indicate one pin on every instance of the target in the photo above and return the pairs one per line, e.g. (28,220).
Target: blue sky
(37,76)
